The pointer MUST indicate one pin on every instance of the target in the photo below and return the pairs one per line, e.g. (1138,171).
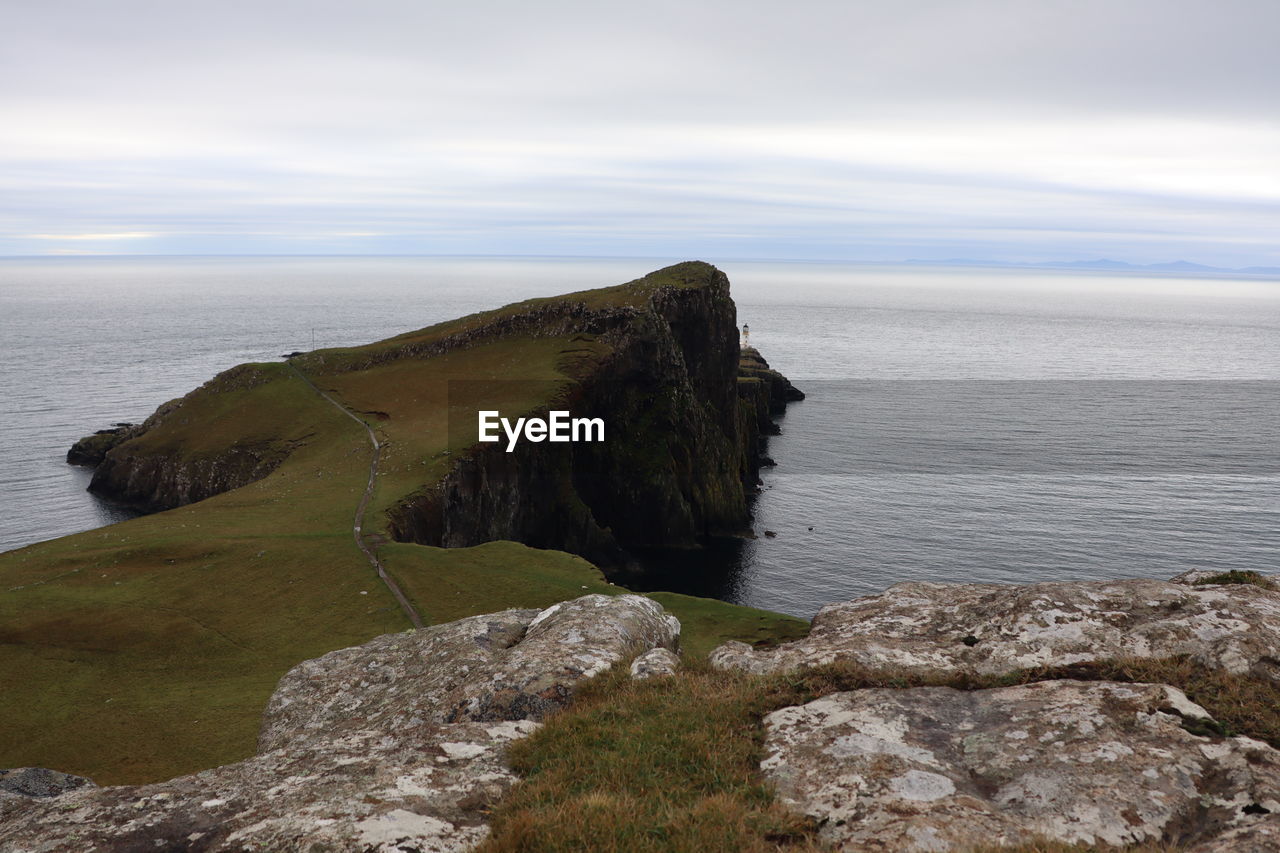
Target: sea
(1005,425)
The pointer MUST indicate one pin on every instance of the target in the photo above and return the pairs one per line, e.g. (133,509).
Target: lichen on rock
(937,769)
(655,664)
(1000,628)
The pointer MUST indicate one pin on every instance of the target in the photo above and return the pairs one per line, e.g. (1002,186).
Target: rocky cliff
(139,465)
(685,411)
(764,394)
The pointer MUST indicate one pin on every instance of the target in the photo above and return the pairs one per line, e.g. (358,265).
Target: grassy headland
(147,649)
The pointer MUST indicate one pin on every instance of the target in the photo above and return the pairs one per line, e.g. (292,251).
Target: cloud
(829,129)
(120,235)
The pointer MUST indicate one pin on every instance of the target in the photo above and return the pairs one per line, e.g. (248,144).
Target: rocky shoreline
(399,743)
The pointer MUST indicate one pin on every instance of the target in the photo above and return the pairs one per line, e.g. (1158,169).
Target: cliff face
(139,465)
(91,450)
(762,393)
(683,431)
(684,412)
(160,482)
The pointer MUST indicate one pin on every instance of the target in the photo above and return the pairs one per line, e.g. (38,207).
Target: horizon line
(1069,265)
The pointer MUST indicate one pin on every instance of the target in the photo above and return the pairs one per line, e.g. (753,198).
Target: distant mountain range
(1101,264)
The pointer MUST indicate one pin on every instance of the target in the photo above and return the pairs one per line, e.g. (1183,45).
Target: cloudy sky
(1145,130)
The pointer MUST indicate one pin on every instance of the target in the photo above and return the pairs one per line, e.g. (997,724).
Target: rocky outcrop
(400,744)
(39,782)
(92,449)
(763,393)
(1000,628)
(1235,577)
(394,745)
(937,769)
(160,475)
(159,481)
(753,369)
(655,664)
(678,464)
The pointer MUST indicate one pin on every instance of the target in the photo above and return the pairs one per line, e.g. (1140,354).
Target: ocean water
(961,424)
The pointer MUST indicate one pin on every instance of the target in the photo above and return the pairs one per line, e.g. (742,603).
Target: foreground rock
(936,769)
(394,745)
(655,664)
(999,628)
(39,782)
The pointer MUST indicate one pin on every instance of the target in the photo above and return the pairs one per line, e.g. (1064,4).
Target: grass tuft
(659,765)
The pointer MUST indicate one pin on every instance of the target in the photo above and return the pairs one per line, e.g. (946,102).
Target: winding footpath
(356,528)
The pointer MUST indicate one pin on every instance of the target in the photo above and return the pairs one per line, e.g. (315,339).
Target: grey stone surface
(394,745)
(655,663)
(936,769)
(998,628)
(39,782)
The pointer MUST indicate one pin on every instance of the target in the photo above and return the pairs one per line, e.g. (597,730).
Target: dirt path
(364,502)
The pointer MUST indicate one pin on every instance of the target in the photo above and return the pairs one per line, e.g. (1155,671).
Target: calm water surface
(963,424)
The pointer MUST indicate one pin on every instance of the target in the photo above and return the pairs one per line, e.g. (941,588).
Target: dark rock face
(751,365)
(683,451)
(394,745)
(130,472)
(92,449)
(155,482)
(762,393)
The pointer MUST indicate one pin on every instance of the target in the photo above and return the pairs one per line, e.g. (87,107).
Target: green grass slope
(147,649)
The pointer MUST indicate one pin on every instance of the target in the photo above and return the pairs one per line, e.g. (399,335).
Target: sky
(1141,130)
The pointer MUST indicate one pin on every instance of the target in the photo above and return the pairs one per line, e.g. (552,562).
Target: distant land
(1100,264)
